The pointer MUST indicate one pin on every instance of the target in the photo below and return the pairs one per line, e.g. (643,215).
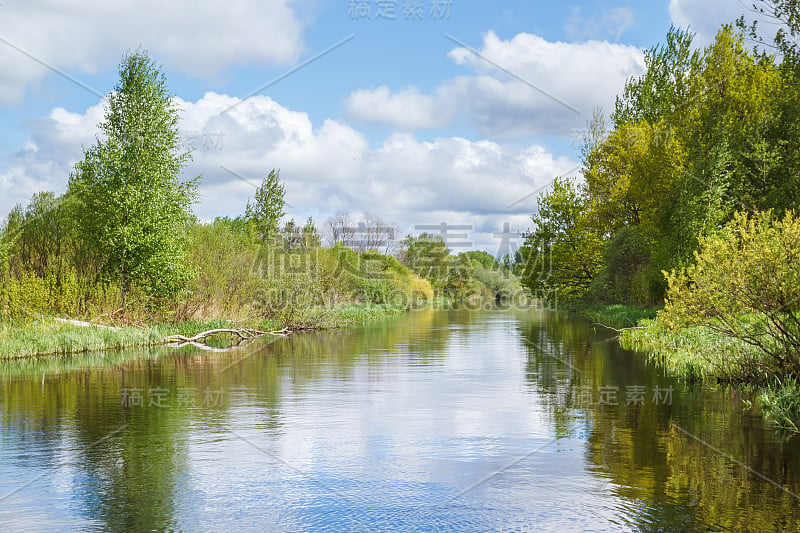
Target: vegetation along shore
(688,205)
(122,251)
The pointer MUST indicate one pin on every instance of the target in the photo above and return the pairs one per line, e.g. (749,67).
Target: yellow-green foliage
(297,284)
(420,288)
(225,256)
(745,284)
(235,276)
(29,294)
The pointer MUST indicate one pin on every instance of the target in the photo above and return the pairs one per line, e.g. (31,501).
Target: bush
(225,255)
(420,289)
(500,283)
(745,284)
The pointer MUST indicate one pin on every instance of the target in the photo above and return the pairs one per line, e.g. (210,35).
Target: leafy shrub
(745,284)
(420,289)
(500,283)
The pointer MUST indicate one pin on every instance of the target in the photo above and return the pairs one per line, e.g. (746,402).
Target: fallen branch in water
(243,334)
(202,346)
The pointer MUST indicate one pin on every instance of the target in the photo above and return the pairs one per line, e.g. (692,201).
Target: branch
(245,333)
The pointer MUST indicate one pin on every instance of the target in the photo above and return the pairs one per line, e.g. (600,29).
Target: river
(457,420)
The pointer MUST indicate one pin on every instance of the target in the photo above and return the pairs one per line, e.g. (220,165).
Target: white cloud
(406,110)
(704,17)
(197,38)
(554,88)
(611,23)
(326,168)
(47,158)
(552,81)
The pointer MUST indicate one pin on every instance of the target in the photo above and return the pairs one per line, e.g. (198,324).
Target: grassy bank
(697,353)
(46,336)
(700,354)
(617,316)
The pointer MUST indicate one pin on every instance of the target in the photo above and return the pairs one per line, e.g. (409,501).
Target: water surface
(437,420)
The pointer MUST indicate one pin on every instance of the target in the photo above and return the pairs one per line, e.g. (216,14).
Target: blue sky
(400,121)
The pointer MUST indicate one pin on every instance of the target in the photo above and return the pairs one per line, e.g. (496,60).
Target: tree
(564,250)
(266,211)
(427,255)
(661,92)
(745,284)
(339,229)
(292,236)
(134,207)
(459,282)
(44,235)
(483,259)
(311,238)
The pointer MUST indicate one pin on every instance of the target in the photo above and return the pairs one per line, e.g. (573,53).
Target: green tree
(483,259)
(662,91)
(460,282)
(563,252)
(311,237)
(427,255)
(267,208)
(134,206)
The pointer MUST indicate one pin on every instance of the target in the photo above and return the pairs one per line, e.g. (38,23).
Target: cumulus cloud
(543,88)
(47,158)
(198,38)
(552,80)
(326,168)
(406,110)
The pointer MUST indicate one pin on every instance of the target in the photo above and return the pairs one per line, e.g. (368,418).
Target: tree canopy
(133,204)
(698,137)
(267,208)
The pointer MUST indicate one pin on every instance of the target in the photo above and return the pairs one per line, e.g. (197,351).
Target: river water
(433,421)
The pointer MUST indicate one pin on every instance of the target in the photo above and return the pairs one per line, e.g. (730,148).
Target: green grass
(347,314)
(698,353)
(27,338)
(780,403)
(22,338)
(618,316)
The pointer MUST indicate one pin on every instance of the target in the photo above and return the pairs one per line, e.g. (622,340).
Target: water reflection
(695,462)
(452,420)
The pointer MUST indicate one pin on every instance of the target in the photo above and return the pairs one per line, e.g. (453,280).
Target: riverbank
(617,316)
(700,354)
(691,353)
(49,336)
